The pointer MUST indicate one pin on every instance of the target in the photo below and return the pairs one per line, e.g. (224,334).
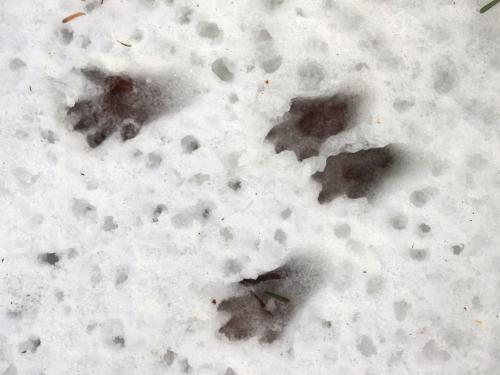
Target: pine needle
(277,296)
(124,44)
(488,6)
(72,17)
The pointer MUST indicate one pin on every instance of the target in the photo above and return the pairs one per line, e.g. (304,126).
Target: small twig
(488,6)
(277,296)
(272,275)
(261,303)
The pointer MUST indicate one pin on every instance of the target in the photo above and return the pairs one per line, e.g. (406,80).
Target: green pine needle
(488,6)
(125,44)
(277,296)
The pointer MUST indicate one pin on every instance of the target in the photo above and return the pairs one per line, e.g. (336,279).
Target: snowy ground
(111,257)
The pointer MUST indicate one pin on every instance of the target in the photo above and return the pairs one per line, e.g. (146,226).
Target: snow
(112,257)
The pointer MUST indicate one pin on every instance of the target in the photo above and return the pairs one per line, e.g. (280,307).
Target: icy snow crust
(114,259)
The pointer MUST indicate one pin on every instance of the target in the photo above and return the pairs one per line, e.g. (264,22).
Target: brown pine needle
(124,44)
(73,16)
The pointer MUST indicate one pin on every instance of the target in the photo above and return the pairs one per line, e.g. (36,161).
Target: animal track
(269,301)
(354,174)
(125,103)
(309,122)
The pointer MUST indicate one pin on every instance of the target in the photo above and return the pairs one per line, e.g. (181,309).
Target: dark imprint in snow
(310,122)
(354,174)
(124,104)
(269,301)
